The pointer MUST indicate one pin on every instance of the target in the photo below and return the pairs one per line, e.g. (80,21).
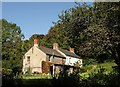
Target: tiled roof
(50,51)
(68,53)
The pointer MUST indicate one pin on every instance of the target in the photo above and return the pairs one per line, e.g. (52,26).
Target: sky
(50,0)
(34,17)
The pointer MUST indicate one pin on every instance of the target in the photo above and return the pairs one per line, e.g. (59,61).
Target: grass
(95,68)
(108,66)
(37,76)
(89,69)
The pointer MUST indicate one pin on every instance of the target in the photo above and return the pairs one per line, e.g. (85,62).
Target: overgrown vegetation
(99,79)
(108,67)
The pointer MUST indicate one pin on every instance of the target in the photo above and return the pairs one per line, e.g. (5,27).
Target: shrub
(89,61)
(7,73)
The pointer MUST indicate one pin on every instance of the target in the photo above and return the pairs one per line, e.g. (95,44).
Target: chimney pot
(35,42)
(72,50)
(55,46)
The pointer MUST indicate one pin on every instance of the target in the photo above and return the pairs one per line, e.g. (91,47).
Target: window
(69,60)
(28,58)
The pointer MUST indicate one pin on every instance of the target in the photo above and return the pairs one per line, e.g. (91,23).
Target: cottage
(70,57)
(40,59)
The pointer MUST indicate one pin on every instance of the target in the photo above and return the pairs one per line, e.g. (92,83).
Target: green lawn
(89,69)
(37,76)
(95,68)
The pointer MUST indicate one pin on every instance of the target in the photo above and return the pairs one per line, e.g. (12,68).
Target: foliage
(99,79)
(7,73)
(95,68)
(46,66)
(109,12)
(102,80)
(88,28)
(89,61)
(11,47)
(36,36)
(0,39)
(66,79)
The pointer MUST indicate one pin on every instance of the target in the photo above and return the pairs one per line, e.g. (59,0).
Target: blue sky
(34,17)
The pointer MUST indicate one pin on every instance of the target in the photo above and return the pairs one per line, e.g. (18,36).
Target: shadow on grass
(27,83)
(71,80)
(60,82)
(39,83)
(67,80)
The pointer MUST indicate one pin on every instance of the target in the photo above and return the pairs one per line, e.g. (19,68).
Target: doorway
(51,70)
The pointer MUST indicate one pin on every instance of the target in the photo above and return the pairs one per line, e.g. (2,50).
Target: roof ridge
(68,51)
(50,51)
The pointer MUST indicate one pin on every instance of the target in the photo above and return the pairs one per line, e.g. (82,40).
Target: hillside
(107,68)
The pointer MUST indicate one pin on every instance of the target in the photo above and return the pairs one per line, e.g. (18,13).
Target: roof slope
(68,53)
(50,51)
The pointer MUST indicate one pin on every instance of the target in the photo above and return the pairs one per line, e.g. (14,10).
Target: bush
(83,69)
(7,73)
(89,61)
(101,80)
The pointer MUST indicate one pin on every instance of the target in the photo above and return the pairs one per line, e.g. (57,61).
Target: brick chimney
(72,50)
(35,42)
(55,46)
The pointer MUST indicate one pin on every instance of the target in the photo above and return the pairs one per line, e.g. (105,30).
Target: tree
(0,38)
(89,30)
(36,36)
(66,31)
(102,37)
(94,41)
(11,46)
(109,13)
